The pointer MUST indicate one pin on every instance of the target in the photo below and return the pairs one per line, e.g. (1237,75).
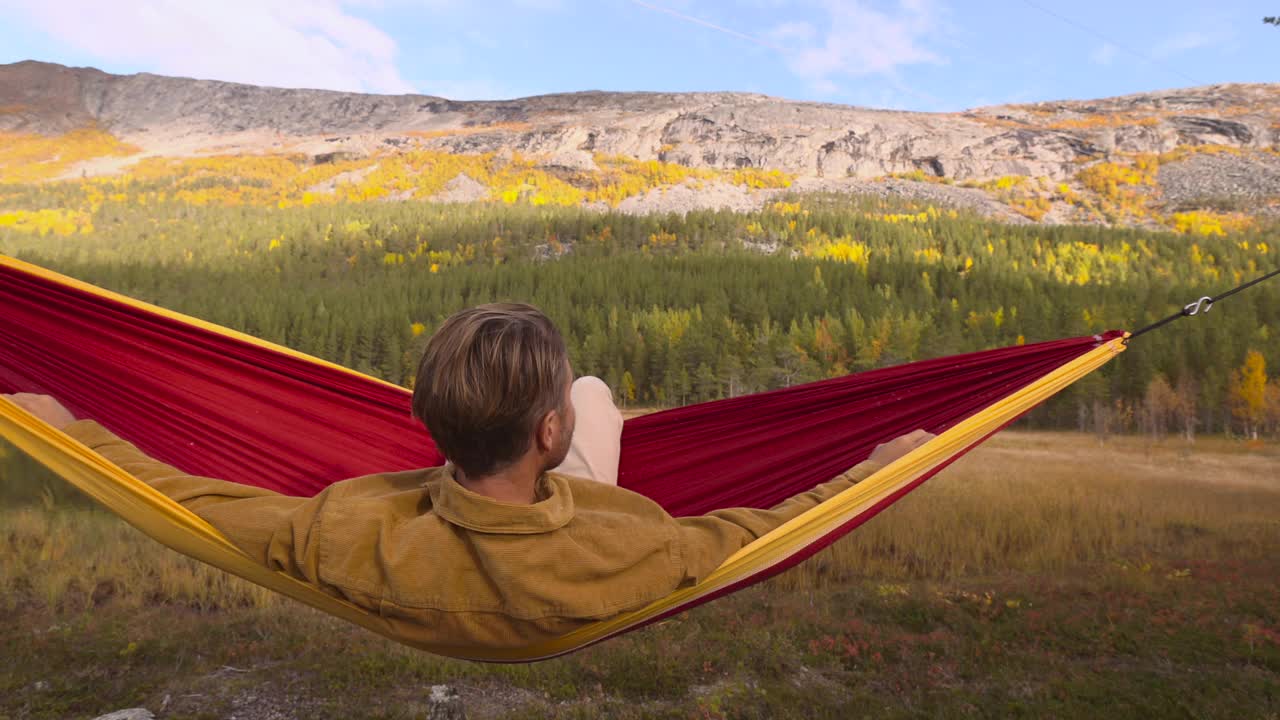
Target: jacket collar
(474,511)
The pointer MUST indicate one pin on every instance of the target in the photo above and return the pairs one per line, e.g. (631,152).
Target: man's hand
(886,453)
(43,407)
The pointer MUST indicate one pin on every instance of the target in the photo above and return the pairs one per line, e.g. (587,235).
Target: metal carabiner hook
(1205,303)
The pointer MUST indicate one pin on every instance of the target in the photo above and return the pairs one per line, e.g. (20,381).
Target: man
(520,537)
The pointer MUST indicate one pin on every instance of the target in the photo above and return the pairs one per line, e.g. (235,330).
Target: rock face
(173,116)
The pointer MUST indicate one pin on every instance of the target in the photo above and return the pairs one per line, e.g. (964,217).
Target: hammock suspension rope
(1204,304)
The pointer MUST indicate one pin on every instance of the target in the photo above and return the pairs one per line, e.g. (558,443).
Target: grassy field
(1043,575)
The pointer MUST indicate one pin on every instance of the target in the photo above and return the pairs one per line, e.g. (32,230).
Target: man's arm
(208,497)
(271,528)
(708,540)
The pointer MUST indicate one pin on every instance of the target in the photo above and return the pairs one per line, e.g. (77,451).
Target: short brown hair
(488,375)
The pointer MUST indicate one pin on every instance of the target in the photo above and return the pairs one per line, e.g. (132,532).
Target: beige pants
(597,434)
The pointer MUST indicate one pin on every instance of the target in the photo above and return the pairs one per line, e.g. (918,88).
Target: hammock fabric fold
(223,404)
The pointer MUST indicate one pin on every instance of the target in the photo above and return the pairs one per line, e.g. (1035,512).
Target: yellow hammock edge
(178,528)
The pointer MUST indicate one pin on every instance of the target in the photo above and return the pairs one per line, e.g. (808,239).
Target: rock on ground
(462,189)
(445,704)
(1222,179)
(351,176)
(689,197)
(128,714)
(938,194)
(576,160)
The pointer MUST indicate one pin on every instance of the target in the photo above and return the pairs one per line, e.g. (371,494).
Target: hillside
(1135,159)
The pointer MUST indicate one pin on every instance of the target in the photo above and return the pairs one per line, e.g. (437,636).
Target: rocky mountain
(826,144)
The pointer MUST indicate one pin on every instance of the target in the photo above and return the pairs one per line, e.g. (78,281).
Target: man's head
(493,386)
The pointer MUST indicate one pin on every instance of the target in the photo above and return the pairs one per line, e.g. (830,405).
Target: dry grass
(76,558)
(1045,502)
(1043,575)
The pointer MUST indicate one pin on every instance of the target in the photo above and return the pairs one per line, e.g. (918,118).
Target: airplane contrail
(713,26)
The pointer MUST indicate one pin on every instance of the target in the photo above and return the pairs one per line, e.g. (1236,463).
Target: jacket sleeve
(273,529)
(708,540)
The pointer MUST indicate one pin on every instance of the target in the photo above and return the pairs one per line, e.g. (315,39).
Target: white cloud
(860,39)
(283,43)
(1104,54)
(1189,40)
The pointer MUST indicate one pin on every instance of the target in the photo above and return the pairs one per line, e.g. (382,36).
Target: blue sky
(909,54)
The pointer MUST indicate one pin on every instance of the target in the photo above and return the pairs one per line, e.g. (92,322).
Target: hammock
(219,403)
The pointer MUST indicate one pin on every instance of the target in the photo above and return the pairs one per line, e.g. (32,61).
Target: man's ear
(547,429)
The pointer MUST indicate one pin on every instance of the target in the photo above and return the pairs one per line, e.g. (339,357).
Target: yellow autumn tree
(1247,393)
(628,388)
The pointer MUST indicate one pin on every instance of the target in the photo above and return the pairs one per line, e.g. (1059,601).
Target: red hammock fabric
(217,406)
(224,407)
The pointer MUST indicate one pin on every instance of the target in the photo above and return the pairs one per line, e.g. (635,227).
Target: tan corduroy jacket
(446,565)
